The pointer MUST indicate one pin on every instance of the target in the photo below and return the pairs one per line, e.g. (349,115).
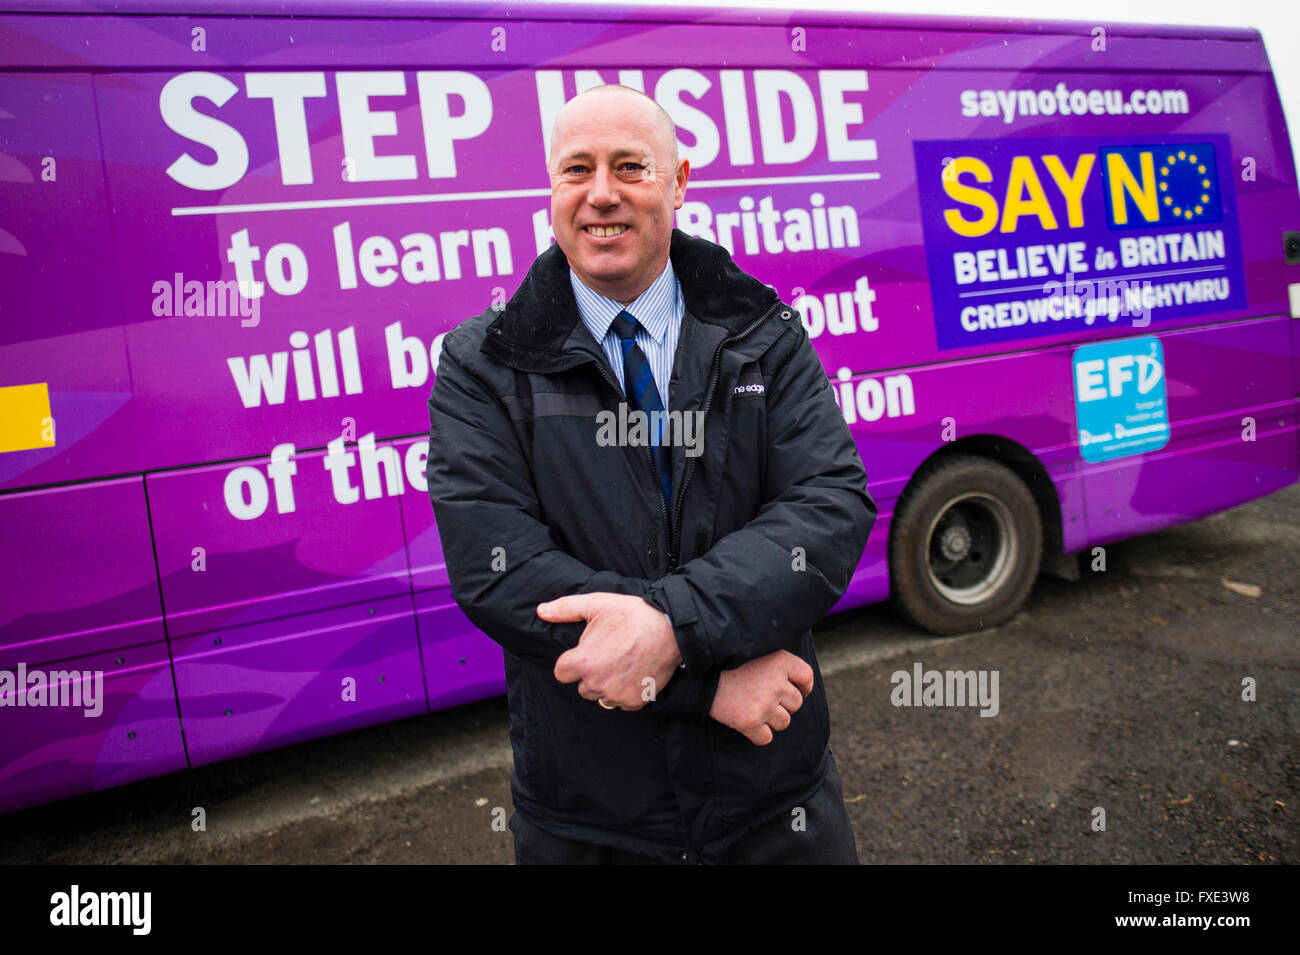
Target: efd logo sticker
(1119,398)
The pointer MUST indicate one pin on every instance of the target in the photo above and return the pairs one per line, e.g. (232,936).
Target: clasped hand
(628,653)
(625,656)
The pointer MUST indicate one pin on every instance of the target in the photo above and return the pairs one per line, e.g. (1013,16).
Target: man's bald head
(656,117)
(616,181)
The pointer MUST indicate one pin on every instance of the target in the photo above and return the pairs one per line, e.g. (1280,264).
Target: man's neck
(624,296)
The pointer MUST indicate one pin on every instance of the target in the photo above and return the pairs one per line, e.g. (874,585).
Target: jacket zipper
(673,529)
(649,451)
(671,520)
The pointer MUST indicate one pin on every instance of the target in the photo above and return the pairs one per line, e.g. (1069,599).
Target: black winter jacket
(768,523)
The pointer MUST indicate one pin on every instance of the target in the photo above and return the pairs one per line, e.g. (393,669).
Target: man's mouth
(604,231)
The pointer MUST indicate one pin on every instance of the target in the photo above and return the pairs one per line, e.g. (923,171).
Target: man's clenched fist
(758,698)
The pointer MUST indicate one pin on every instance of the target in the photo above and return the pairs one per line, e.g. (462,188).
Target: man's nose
(604,188)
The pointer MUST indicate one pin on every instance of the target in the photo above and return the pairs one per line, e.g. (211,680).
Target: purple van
(1052,270)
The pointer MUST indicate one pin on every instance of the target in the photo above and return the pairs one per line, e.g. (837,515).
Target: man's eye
(634,167)
(575,170)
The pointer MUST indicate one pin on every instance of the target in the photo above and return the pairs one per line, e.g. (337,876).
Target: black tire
(965,545)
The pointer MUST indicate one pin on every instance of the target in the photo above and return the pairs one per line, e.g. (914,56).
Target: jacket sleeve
(501,560)
(761,585)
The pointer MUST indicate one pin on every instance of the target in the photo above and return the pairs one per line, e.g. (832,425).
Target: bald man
(646,437)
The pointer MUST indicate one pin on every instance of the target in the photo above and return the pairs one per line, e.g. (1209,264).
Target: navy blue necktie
(642,395)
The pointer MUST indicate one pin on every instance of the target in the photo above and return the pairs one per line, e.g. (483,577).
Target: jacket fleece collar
(532,329)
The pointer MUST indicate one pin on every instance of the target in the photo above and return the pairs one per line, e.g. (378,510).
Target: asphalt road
(1121,692)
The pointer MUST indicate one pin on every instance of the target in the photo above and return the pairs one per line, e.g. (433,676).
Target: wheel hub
(973,548)
(955,543)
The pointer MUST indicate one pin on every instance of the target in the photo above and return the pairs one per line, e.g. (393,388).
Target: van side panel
(83,602)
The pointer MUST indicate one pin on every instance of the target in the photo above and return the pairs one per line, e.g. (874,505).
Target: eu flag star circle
(1186,184)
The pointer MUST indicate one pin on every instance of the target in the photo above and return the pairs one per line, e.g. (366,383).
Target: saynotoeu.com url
(1072,102)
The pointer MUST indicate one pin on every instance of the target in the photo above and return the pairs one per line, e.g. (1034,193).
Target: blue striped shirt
(659,311)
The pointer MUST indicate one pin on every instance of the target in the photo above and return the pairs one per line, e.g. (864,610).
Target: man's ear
(679,184)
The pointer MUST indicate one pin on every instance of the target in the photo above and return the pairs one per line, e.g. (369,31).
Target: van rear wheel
(965,545)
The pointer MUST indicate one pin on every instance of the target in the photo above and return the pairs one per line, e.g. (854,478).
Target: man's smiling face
(615,183)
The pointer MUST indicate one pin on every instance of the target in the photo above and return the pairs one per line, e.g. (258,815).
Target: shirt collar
(656,308)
